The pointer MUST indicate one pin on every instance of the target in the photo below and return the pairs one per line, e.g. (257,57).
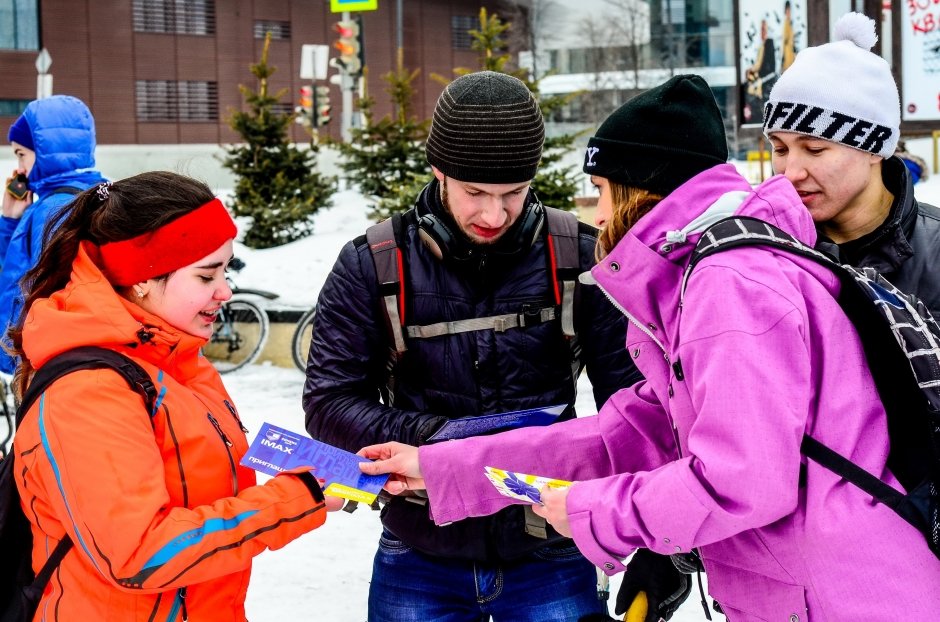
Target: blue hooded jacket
(63,133)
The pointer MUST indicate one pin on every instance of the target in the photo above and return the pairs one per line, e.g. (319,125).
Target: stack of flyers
(276,450)
(490,424)
(520,485)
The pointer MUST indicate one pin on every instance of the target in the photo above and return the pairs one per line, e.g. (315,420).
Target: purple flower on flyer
(519,487)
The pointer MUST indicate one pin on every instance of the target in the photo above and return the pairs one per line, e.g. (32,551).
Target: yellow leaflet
(348,492)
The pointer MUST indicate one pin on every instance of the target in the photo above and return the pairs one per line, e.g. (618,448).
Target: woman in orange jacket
(164,520)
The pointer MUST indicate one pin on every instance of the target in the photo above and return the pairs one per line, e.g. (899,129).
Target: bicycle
(300,343)
(241,328)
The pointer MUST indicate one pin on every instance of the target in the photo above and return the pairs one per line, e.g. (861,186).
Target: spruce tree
(277,184)
(385,158)
(555,185)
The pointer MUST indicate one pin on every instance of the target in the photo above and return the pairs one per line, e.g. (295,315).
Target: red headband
(176,244)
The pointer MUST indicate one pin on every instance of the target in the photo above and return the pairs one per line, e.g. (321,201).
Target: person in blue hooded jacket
(54,144)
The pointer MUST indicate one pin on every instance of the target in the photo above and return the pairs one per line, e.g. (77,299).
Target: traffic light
(305,109)
(321,106)
(349,44)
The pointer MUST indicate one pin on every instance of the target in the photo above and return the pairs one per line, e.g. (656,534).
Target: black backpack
(564,266)
(902,346)
(20,590)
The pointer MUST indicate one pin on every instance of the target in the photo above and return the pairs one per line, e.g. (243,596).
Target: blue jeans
(554,583)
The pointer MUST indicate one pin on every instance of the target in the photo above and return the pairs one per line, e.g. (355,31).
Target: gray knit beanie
(487,128)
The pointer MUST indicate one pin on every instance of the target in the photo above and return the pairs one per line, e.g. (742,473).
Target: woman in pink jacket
(705,453)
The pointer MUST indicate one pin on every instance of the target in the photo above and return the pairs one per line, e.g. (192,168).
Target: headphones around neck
(444,243)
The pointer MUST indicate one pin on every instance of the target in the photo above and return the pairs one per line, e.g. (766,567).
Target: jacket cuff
(583,536)
(312,485)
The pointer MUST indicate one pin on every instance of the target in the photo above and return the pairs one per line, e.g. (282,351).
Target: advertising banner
(770,33)
(920,60)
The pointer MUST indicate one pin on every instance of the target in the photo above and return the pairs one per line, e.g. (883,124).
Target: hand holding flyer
(276,450)
(520,485)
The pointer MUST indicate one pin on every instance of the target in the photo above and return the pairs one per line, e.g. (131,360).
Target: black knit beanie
(661,138)
(487,128)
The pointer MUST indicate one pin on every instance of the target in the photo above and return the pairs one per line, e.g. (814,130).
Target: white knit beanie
(840,92)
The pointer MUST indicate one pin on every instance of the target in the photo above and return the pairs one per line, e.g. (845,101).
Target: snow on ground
(324,576)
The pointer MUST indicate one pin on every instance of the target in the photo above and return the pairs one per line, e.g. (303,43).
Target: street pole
(347,86)
(400,55)
(400,52)
(43,78)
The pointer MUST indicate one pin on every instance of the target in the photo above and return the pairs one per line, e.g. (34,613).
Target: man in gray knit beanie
(473,291)
(487,128)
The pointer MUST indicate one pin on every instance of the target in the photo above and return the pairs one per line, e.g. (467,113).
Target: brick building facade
(167,71)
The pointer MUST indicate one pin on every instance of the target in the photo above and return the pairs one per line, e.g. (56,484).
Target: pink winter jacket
(766,354)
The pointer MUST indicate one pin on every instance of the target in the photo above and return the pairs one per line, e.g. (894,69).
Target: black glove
(666,588)
(687,563)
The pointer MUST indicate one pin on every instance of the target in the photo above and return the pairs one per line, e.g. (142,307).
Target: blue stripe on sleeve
(58,478)
(194,537)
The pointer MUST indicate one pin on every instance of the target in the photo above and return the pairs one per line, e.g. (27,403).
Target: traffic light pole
(347,86)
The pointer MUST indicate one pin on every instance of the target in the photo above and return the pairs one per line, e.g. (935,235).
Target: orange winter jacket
(164,520)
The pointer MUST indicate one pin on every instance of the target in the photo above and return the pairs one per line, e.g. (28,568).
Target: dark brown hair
(629,205)
(106,213)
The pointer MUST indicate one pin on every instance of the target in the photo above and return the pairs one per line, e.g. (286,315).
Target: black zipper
(228,450)
(182,593)
(179,456)
(234,412)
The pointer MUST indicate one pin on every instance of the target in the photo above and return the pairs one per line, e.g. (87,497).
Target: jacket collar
(642,275)
(886,248)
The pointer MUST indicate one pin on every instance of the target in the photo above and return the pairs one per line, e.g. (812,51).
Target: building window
(460,27)
(278,30)
(184,17)
(19,24)
(167,100)
(13,107)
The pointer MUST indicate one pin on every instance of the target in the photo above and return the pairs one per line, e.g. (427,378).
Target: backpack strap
(86,357)
(386,254)
(389,268)
(738,231)
(851,472)
(565,263)
(499,323)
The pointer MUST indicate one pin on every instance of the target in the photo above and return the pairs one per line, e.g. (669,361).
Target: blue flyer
(275,450)
(489,424)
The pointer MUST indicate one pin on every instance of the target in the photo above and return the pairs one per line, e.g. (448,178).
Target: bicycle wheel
(241,331)
(300,344)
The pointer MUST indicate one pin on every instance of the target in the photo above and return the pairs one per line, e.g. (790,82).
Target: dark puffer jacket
(906,247)
(453,376)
